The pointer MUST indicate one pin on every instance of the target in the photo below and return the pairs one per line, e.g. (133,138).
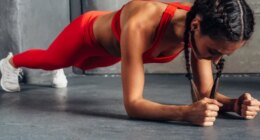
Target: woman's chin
(202,57)
(198,56)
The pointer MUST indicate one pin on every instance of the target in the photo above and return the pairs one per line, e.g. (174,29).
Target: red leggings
(75,46)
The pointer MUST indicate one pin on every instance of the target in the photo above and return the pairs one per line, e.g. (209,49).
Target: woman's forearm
(228,103)
(145,109)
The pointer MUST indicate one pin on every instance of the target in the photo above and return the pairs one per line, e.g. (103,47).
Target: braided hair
(228,20)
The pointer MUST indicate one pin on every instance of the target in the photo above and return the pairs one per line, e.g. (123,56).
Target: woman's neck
(177,25)
(178,22)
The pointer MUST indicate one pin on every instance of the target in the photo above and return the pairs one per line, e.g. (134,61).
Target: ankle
(12,63)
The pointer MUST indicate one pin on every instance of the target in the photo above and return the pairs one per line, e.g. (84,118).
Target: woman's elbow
(131,110)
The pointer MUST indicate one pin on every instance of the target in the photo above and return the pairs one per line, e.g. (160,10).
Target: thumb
(213,101)
(248,96)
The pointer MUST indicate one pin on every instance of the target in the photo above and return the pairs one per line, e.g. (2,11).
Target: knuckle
(204,114)
(253,108)
(207,106)
(216,114)
(217,108)
(204,99)
(207,113)
(201,102)
(215,102)
(203,124)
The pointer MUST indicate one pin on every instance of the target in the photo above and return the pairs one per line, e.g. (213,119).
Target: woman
(155,32)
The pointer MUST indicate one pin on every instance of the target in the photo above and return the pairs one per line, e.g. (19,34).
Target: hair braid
(219,67)
(194,90)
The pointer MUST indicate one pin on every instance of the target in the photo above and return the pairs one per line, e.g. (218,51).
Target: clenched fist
(203,112)
(247,106)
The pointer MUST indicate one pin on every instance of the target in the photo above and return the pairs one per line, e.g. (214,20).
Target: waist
(102,34)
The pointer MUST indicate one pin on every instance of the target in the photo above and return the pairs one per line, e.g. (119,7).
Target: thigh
(70,42)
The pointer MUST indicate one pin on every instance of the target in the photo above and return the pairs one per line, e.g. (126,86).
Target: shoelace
(20,73)
(14,75)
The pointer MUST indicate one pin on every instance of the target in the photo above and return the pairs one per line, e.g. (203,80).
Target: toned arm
(136,35)
(135,39)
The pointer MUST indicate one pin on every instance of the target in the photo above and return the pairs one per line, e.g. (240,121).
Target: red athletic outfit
(76,45)
(165,20)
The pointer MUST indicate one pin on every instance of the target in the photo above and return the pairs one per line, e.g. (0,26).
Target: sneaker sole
(60,85)
(7,90)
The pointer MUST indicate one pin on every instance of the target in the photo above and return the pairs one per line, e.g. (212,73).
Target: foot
(59,79)
(10,75)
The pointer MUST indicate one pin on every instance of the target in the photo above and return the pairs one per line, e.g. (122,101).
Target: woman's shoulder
(152,3)
(186,4)
(142,10)
(143,4)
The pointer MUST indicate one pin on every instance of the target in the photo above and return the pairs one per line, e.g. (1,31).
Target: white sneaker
(10,75)
(59,79)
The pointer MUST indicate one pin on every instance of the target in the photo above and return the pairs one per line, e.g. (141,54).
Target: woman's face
(206,48)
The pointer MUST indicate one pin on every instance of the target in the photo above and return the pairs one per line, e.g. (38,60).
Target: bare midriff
(104,35)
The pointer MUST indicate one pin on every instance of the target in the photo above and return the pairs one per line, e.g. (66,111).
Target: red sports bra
(165,20)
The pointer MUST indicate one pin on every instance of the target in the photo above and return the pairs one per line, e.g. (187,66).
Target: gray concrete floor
(91,108)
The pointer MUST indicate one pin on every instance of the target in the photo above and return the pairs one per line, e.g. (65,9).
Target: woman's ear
(195,24)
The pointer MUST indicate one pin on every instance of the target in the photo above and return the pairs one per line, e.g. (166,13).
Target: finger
(251,102)
(210,119)
(212,107)
(208,124)
(249,117)
(251,108)
(257,102)
(212,101)
(247,102)
(209,113)
(243,113)
(250,113)
(247,96)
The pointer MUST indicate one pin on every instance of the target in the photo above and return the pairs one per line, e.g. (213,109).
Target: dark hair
(230,20)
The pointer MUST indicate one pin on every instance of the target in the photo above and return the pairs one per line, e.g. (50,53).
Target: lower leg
(40,59)
(12,63)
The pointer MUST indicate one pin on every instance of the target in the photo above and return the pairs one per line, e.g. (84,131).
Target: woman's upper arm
(134,42)
(132,63)
(136,32)
(202,72)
